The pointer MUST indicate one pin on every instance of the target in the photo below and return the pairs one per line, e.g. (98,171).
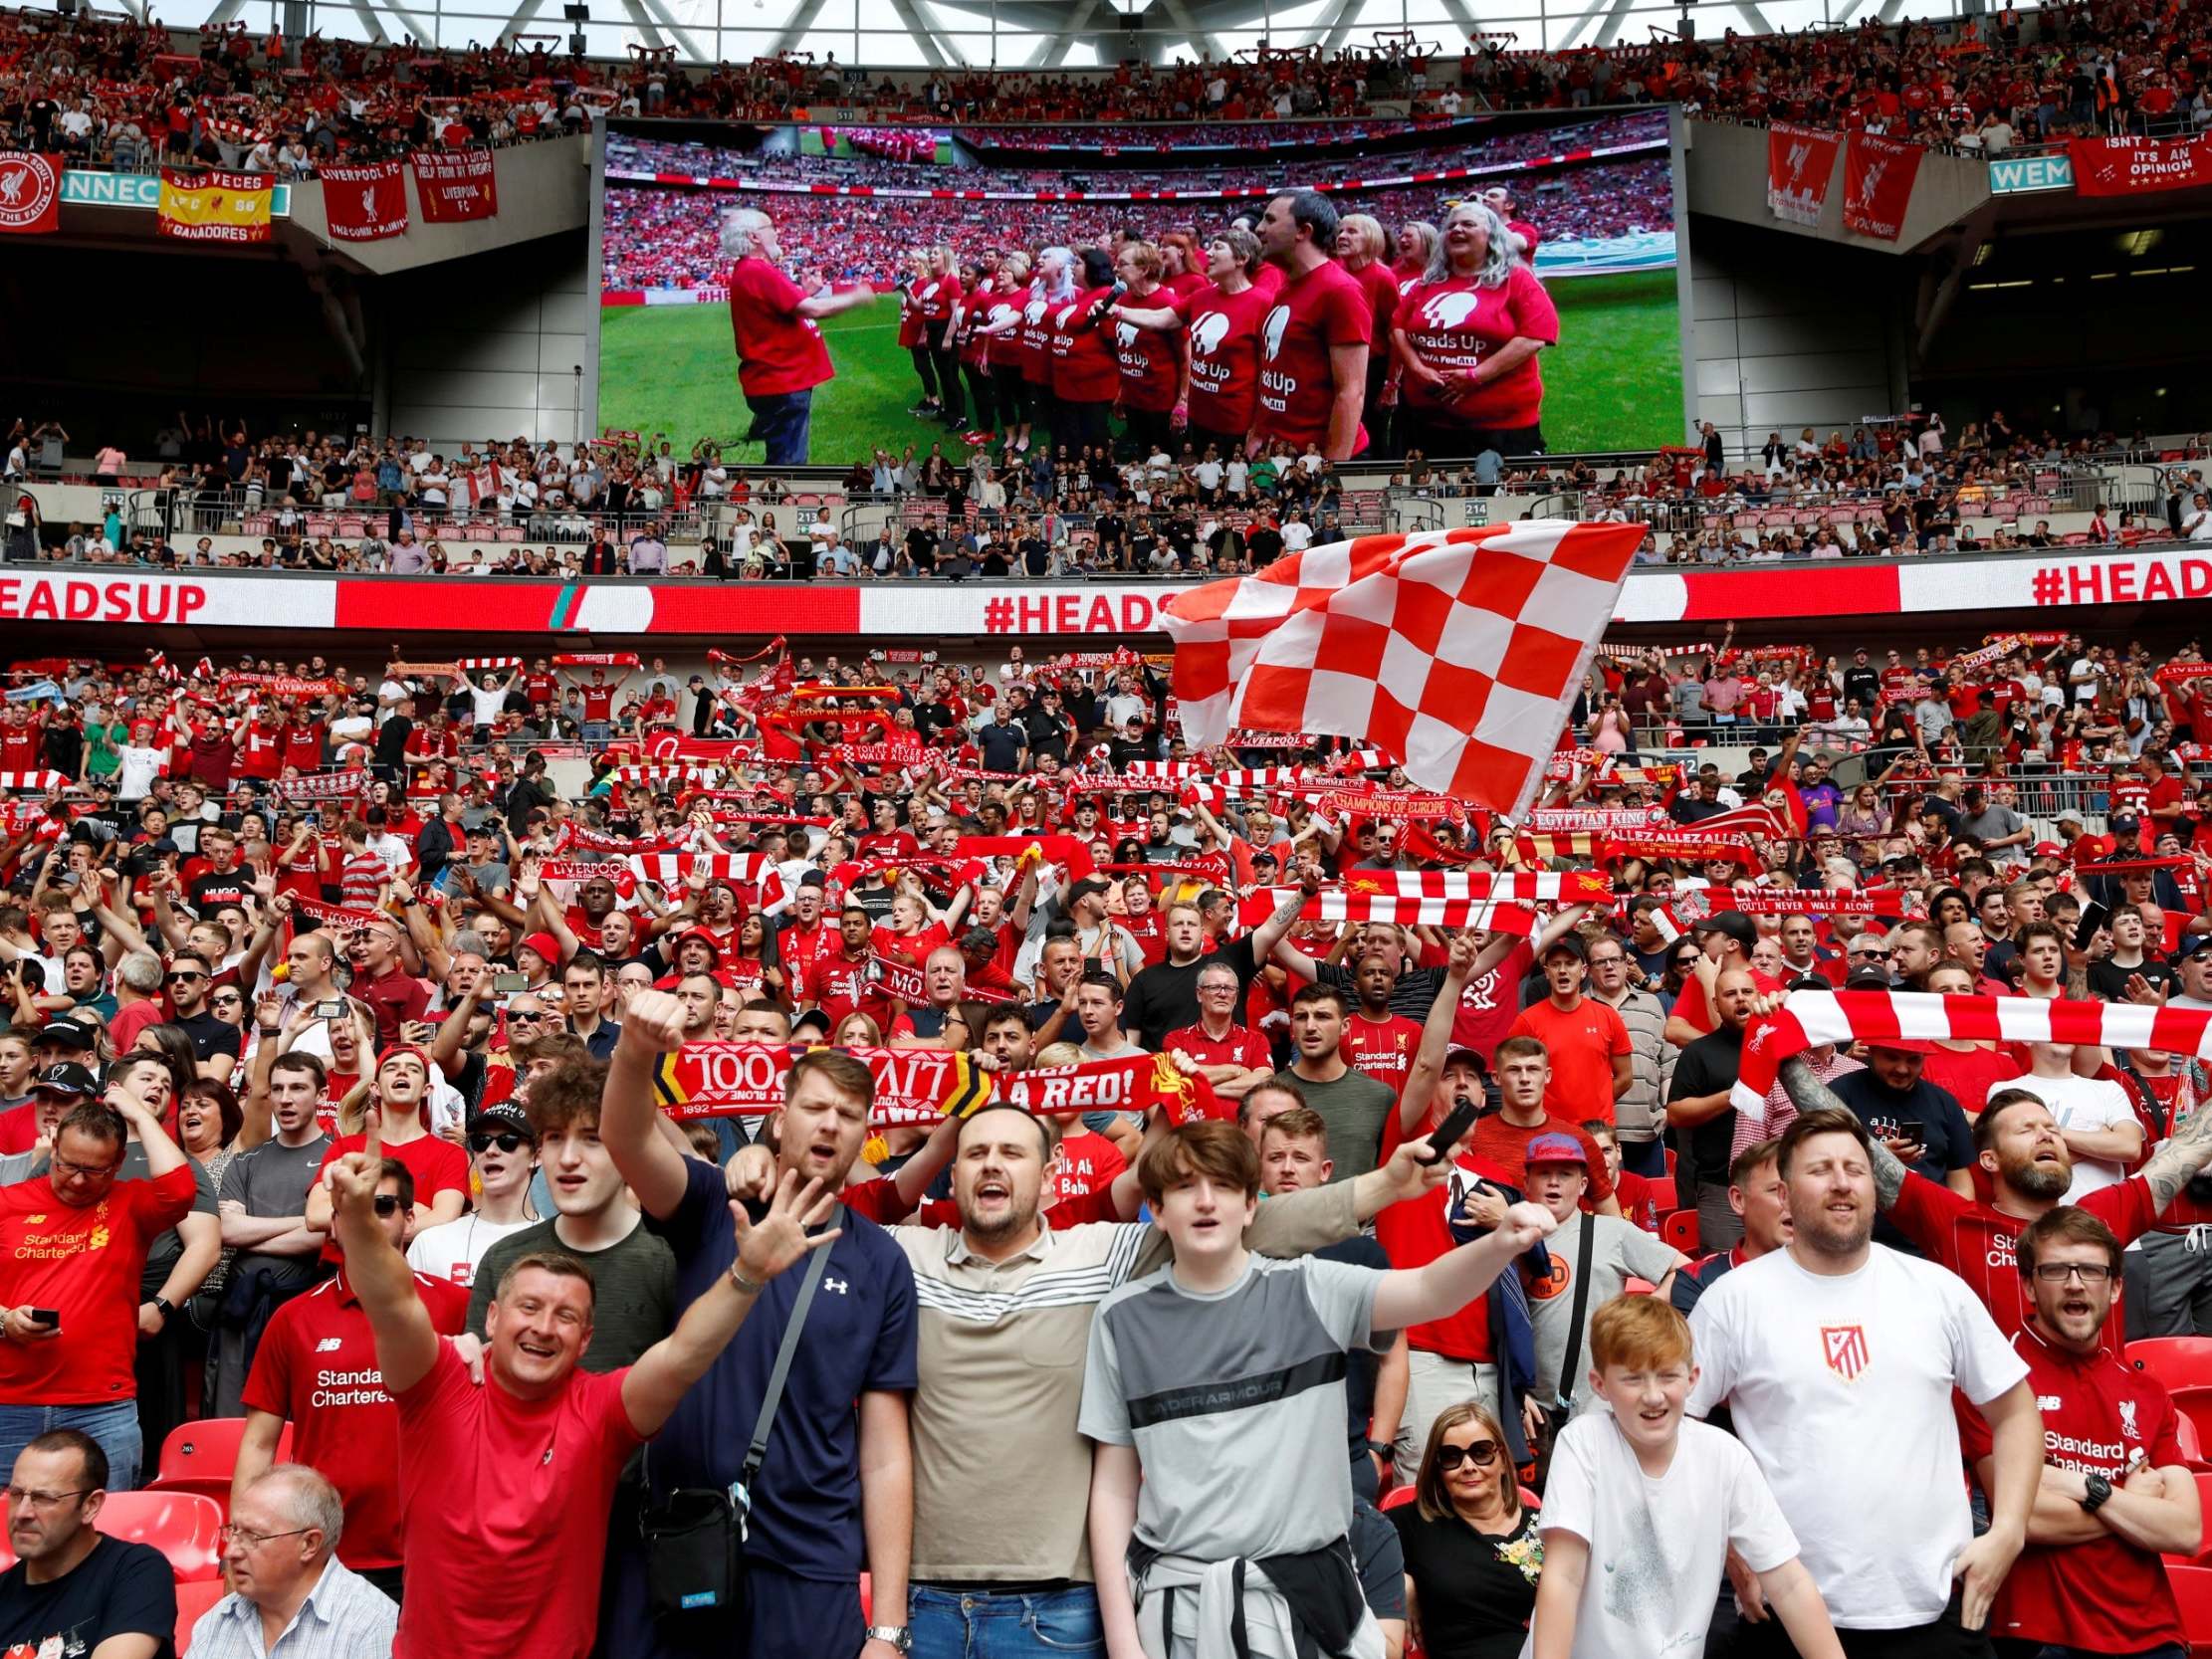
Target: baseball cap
(2192,947)
(1555,1149)
(1465,1057)
(1090,887)
(1735,924)
(1572,943)
(64,1077)
(504,1115)
(1901,1045)
(2048,849)
(546,947)
(66,1033)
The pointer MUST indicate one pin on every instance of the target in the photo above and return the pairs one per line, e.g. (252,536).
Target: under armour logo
(839,1285)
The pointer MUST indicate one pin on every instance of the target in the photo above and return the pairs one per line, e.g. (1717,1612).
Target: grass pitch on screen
(1614,381)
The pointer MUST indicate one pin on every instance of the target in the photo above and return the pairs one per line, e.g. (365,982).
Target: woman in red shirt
(1465,340)
(997,326)
(914,334)
(1085,383)
(1223,321)
(1153,366)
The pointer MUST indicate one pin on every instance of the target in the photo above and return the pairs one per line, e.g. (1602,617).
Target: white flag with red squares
(1458,652)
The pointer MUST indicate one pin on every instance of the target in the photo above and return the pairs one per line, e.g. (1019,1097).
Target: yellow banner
(216,206)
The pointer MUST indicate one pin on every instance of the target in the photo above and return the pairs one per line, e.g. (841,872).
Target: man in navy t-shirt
(72,1590)
(841,1428)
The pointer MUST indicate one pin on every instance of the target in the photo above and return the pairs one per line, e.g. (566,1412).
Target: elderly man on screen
(289,1593)
(782,356)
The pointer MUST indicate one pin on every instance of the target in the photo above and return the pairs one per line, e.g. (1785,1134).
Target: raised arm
(653,1026)
(1436,1035)
(406,1345)
(1457,1277)
(667,1369)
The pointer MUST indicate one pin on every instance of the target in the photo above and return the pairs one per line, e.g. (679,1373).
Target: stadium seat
(1662,1195)
(2192,1594)
(2195,1404)
(1679,1228)
(200,1457)
(193,1599)
(2175,1361)
(1397,1498)
(2192,1449)
(181,1525)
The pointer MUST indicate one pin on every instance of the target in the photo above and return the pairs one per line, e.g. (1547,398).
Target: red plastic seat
(183,1525)
(2194,1406)
(2185,1434)
(192,1602)
(1679,1228)
(201,1457)
(1664,1196)
(2192,1594)
(2176,1361)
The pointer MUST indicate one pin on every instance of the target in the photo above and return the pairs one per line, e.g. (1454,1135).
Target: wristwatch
(898,1636)
(2100,1489)
(168,1308)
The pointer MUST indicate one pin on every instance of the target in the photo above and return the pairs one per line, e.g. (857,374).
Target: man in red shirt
(507,1485)
(395,996)
(316,1368)
(1585,1040)
(781,357)
(1233,1058)
(76,1240)
(1501,1138)
(2115,1491)
(1377,1041)
(838,982)
(1314,342)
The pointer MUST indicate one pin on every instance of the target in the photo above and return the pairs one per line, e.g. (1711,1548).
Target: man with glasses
(1640,1112)
(72,1590)
(76,1239)
(503,1153)
(1868,951)
(277,1552)
(1229,1055)
(316,1368)
(215,1043)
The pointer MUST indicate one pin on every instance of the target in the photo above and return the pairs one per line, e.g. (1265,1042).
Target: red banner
(453,185)
(1878,184)
(2137,166)
(30,192)
(1800,162)
(364,204)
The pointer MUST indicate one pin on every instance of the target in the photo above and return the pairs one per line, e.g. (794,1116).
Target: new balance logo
(839,1285)
(330,1344)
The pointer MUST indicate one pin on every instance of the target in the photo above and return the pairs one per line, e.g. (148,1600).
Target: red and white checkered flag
(1456,651)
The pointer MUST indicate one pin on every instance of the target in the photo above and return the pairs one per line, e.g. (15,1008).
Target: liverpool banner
(1878,184)
(1800,162)
(2135,166)
(453,185)
(30,192)
(364,204)
(215,206)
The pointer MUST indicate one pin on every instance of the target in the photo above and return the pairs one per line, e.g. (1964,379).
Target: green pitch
(1614,381)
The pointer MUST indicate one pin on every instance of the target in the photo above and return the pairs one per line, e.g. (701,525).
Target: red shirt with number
(777,350)
(525,1552)
(315,1368)
(2100,1417)
(86,1263)
(1323,308)
(1384,1049)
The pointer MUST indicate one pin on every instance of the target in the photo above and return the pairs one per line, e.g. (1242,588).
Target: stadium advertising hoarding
(497,607)
(1593,203)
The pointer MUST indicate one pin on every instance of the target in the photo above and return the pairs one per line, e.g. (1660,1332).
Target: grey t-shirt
(633,1284)
(1993,823)
(1235,1403)
(1620,1251)
(168,1246)
(273,1179)
(1354,1106)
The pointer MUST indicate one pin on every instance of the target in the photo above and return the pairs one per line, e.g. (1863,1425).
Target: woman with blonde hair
(1472,1555)
(1465,340)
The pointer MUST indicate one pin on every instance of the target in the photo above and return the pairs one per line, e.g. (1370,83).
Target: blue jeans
(783,421)
(971,1625)
(113,1425)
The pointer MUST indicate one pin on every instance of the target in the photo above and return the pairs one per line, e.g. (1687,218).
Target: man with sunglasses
(316,1368)
(215,1043)
(503,1153)
(76,1240)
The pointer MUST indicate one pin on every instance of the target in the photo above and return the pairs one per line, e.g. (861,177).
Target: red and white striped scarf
(1811,1018)
(1672,920)
(1437,898)
(32,782)
(668,870)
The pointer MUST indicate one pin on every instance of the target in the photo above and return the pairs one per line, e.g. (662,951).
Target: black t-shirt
(120,1589)
(210,1036)
(1706,1067)
(1474,1604)
(211,889)
(1943,1130)
(2108,980)
(1165,996)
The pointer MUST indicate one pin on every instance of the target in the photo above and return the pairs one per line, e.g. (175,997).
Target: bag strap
(757,1452)
(1566,1388)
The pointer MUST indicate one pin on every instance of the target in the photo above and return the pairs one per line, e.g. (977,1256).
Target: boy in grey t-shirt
(1214,1390)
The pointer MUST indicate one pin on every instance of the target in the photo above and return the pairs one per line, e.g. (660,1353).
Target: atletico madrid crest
(1843,1346)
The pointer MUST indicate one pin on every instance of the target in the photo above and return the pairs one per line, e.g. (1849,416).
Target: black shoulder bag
(695,1540)
(1556,1412)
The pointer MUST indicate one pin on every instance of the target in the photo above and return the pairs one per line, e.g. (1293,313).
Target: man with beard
(1005,1310)
(2115,1492)
(1837,1359)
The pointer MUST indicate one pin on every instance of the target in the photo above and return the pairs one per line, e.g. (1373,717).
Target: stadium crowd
(330,1104)
(124,92)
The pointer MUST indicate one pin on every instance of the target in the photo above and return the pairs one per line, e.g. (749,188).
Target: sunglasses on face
(387,1203)
(505,1139)
(1480,1453)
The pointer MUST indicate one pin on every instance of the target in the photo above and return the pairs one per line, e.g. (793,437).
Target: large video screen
(931,221)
